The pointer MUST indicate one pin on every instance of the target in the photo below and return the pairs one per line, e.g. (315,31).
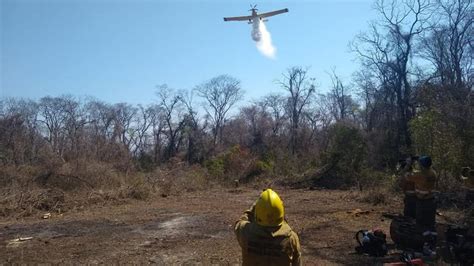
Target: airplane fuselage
(255,18)
(256,34)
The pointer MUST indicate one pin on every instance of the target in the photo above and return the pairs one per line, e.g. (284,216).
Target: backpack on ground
(372,243)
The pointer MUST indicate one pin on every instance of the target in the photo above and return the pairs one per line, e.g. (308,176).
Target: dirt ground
(191,229)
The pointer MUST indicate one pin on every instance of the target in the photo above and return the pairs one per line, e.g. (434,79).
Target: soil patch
(192,229)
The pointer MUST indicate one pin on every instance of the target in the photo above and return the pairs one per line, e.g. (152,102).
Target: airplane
(253,18)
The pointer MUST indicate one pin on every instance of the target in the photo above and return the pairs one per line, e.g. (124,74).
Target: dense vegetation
(411,95)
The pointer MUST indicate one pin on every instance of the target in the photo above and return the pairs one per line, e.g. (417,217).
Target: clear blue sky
(118,50)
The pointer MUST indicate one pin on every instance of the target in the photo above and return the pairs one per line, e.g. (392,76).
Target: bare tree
(124,115)
(220,94)
(20,141)
(342,102)
(258,123)
(54,117)
(276,105)
(75,128)
(448,45)
(100,118)
(301,88)
(387,50)
(157,128)
(194,131)
(172,115)
(143,122)
(367,93)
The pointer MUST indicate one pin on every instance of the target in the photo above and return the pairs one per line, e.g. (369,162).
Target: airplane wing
(273,13)
(238,18)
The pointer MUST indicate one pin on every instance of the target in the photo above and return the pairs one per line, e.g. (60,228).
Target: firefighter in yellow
(408,188)
(424,180)
(264,235)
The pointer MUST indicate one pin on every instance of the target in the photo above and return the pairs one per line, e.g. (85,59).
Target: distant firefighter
(408,187)
(425,181)
(264,235)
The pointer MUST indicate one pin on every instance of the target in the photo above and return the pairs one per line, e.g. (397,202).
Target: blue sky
(119,50)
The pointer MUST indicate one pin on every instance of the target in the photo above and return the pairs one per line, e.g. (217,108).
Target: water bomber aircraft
(255,17)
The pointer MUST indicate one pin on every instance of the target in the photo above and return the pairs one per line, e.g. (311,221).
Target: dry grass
(29,190)
(25,202)
(378,196)
(178,177)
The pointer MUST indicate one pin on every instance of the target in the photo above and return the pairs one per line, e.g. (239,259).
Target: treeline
(411,95)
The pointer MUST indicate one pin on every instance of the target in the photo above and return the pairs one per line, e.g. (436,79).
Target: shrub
(138,189)
(215,167)
(257,168)
(229,165)
(25,201)
(437,137)
(345,155)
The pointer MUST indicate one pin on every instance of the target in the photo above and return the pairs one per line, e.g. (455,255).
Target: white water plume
(263,39)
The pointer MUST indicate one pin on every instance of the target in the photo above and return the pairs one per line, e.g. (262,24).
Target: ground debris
(17,241)
(358,212)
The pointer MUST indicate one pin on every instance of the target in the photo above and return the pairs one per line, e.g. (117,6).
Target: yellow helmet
(269,209)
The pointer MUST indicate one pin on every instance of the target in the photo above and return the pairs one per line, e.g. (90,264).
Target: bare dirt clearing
(194,228)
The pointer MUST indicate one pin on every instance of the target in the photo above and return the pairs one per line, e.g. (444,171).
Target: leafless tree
(172,112)
(100,116)
(193,129)
(449,43)
(142,124)
(275,104)
(157,128)
(259,127)
(220,94)
(387,50)
(20,141)
(367,92)
(342,103)
(75,128)
(54,117)
(300,88)
(124,132)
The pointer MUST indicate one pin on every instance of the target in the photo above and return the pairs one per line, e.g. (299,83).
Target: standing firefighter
(264,235)
(408,187)
(425,181)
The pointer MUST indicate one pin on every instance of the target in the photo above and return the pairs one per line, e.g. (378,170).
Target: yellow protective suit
(425,182)
(266,245)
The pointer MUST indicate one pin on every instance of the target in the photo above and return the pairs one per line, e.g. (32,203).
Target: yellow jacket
(425,182)
(266,245)
(407,187)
